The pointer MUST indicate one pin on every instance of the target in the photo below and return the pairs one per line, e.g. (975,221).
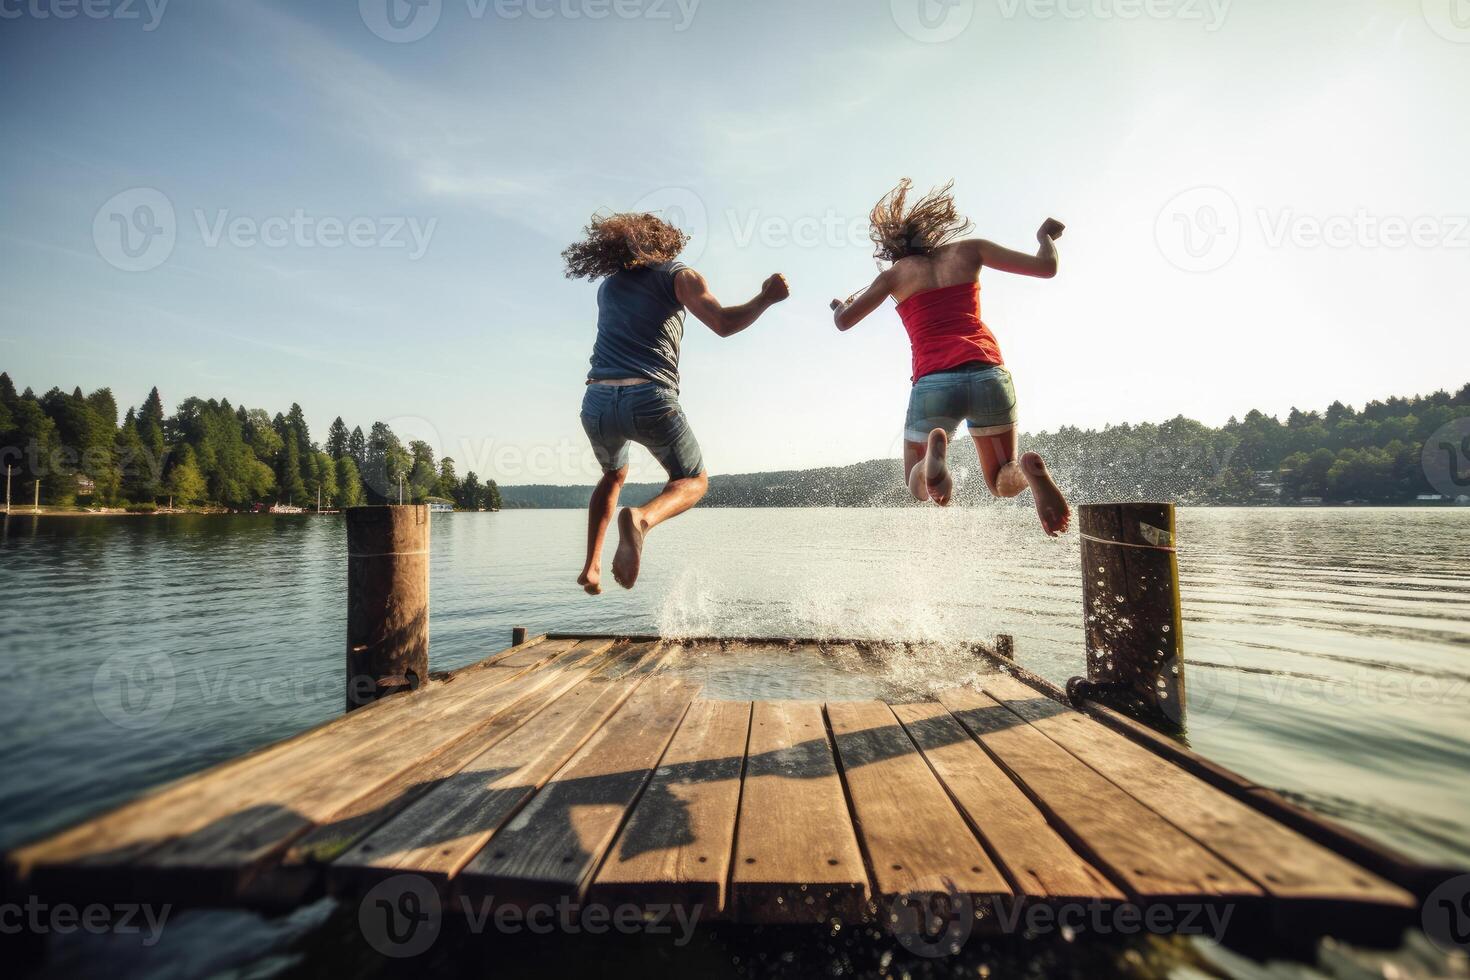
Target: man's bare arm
(1042,265)
(850,313)
(726,321)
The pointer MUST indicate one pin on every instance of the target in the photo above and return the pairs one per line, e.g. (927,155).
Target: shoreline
(84,514)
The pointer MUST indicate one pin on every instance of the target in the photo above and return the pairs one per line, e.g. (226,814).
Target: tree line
(1339,455)
(212,453)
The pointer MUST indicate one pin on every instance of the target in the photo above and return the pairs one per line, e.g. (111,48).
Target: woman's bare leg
(927,466)
(634,523)
(599,516)
(1007,476)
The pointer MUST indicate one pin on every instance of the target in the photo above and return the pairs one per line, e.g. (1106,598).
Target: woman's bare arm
(691,290)
(1042,265)
(847,314)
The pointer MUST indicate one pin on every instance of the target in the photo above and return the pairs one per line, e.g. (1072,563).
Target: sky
(360,206)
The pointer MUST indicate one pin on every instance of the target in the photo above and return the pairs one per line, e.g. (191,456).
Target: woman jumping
(633,387)
(958,371)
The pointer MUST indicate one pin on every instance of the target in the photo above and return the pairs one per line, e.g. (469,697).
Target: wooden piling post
(517,635)
(1130,598)
(387,601)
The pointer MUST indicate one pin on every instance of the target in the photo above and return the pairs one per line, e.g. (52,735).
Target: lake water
(1329,650)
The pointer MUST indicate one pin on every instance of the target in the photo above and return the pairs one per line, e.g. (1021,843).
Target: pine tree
(448,484)
(291,483)
(296,422)
(349,483)
(337,439)
(326,478)
(8,397)
(357,448)
(470,492)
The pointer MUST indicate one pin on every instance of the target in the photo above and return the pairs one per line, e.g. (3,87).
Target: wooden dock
(591,769)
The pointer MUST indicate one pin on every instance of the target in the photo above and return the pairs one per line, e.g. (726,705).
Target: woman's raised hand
(775,289)
(1051,229)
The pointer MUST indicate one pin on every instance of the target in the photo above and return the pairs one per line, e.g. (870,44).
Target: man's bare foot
(630,547)
(591,581)
(936,468)
(1051,506)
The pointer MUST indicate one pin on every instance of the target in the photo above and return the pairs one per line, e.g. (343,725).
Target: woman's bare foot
(591,581)
(1051,506)
(936,468)
(630,547)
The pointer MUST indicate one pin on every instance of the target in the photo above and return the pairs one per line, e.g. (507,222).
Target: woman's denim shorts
(646,414)
(980,394)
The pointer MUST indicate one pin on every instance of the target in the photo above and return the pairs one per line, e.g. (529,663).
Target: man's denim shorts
(646,414)
(980,394)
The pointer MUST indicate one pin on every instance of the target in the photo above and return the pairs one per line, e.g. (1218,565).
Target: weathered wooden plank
(796,855)
(283,807)
(444,830)
(552,847)
(916,841)
(1038,862)
(120,836)
(1281,861)
(271,809)
(327,842)
(679,840)
(1152,859)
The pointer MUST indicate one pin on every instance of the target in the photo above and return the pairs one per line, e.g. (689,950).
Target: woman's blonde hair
(615,242)
(900,229)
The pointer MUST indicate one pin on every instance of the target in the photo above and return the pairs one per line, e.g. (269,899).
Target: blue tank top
(640,325)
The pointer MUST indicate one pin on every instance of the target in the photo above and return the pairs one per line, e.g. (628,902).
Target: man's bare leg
(634,523)
(599,516)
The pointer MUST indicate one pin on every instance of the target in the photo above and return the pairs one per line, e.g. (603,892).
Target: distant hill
(1341,455)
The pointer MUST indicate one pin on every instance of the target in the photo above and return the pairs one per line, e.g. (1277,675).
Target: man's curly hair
(900,229)
(615,242)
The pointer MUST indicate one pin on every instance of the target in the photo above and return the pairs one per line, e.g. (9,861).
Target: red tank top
(945,329)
